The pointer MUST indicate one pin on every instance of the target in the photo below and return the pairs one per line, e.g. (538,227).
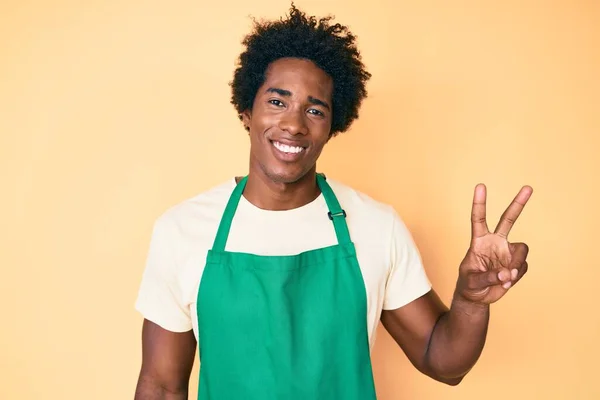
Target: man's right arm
(167,362)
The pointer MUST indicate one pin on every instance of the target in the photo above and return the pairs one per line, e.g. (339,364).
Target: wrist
(466,306)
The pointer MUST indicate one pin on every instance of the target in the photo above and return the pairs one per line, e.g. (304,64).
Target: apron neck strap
(335,214)
(225,225)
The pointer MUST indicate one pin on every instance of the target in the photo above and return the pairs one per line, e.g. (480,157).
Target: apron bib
(284,327)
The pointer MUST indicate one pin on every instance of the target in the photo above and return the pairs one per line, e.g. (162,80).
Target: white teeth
(287,149)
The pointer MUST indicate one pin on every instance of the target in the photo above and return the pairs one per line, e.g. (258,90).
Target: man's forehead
(296,68)
(296,76)
(296,82)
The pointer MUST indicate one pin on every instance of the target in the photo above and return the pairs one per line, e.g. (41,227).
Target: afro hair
(329,46)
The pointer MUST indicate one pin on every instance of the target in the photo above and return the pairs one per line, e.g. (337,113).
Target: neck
(267,194)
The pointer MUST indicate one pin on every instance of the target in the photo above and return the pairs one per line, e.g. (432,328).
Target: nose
(293,122)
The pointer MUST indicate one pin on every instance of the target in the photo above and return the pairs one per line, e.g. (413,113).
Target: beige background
(112,111)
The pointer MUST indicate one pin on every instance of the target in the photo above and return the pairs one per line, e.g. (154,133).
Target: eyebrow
(287,93)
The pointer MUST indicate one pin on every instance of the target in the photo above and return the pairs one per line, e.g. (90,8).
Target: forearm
(457,340)
(150,389)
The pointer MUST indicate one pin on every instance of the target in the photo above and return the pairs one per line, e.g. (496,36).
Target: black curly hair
(331,47)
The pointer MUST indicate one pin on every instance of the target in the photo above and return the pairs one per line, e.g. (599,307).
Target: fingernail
(514,273)
(503,275)
(507,285)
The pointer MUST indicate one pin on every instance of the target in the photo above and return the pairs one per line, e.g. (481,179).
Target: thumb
(480,280)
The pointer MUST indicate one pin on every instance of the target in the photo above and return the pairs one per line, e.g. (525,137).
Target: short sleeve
(407,279)
(160,297)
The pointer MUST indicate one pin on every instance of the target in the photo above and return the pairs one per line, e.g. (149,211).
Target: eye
(314,111)
(276,102)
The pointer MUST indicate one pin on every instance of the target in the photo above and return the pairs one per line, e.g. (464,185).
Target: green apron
(284,327)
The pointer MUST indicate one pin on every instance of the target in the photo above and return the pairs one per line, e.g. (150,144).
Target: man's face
(290,120)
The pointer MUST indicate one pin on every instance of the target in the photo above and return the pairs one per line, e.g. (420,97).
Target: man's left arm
(443,344)
(446,343)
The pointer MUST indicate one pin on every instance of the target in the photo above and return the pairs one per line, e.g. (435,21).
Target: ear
(246,118)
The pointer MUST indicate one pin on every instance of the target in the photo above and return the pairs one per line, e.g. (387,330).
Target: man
(281,276)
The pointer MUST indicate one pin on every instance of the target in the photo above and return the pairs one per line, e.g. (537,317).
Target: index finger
(509,217)
(478,222)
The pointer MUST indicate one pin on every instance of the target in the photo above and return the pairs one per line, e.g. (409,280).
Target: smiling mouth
(287,149)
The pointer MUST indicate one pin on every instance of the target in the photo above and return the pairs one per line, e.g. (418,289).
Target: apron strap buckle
(337,214)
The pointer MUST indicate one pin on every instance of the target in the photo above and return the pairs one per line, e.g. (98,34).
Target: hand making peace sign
(492,264)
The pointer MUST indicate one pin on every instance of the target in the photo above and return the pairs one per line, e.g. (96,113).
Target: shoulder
(360,205)
(196,213)
(370,218)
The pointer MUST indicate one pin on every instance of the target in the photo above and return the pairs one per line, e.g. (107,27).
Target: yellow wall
(112,111)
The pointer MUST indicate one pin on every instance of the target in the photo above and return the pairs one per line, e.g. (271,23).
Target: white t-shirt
(389,260)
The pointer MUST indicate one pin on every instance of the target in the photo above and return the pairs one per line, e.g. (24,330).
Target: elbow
(450,377)
(449,373)
(451,381)
(447,380)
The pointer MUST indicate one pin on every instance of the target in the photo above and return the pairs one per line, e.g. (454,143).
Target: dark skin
(293,108)
(167,362)
(446,343)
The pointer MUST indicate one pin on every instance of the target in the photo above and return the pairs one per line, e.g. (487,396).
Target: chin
(283,176)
